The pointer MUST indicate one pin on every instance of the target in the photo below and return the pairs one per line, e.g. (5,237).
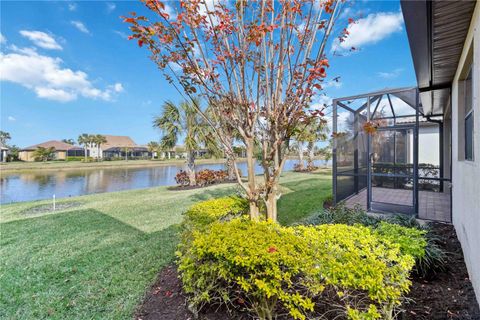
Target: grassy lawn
(97,259)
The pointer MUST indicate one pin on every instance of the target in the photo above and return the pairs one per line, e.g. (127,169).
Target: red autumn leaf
(272,249)
(129,20)
(140,43)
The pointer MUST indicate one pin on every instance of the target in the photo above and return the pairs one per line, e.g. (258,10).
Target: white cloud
(110,6)
(2,39)
(334,83)
(117,87)
(375,27)
(121,34)
(170,11)
(390,75)
(72,6)
(41,39)
(80,26)
(47,77)
(10,118)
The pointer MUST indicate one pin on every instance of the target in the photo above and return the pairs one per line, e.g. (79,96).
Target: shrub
(344,215)
(182,179)
(203,213)
(435,258)
(263,267)
(427,264)
(411,240)
(206,177)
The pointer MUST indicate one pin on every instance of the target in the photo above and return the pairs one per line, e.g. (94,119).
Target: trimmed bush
(432,259)
(201,214)
(264,268)
(411,241)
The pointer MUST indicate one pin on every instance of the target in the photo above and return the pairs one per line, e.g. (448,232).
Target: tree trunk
(300,156)
(191,167)
(252,186)
(311,153)
(230,168)
(271,204)
(86,151)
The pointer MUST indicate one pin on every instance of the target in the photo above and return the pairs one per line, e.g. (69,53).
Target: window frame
(469,115)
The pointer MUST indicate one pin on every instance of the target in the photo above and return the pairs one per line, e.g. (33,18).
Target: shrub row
(204,177)
(266,269)
(427,265)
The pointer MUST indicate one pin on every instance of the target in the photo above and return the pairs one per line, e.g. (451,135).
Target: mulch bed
(447,296)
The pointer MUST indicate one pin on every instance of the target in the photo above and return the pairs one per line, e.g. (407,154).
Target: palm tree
(126,149)
(4,136)
(98,140)
(85,141)
(153,147)
(44,154)
(69,141)
(184,120)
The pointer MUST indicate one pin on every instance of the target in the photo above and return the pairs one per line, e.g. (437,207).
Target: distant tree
(98,140)
(126,150)
(153,147)
(69,141)
(4,137)
(185,120)
(13,152)
(44,154)
(85,140)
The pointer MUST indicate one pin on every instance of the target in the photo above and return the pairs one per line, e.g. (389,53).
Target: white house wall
(466,174)
(428,145)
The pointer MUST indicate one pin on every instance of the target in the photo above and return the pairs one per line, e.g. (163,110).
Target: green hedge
(264,268)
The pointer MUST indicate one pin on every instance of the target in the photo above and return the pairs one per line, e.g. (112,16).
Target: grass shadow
(79,264)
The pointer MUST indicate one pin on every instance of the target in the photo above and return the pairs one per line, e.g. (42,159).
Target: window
(468,124)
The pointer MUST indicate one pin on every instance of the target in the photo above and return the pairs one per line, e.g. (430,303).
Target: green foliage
(74,158)
(435,258)
(206,212)
(405,230)
(344,215)
(411,240)
(262,266)
(44,154)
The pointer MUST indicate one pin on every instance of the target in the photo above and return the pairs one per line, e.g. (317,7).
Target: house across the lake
(119,147)
(416,150)
(3,153)
(62,150)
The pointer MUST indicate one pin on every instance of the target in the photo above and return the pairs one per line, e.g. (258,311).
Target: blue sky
(99,82)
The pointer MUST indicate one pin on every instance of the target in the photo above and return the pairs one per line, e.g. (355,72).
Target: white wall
(428,145)
(466,174)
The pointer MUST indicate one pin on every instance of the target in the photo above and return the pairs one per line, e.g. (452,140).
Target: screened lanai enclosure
(389,156)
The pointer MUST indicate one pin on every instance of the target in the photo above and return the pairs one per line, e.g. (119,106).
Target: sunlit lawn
(96,260)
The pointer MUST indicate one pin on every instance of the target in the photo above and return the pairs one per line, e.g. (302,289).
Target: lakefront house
(62,150)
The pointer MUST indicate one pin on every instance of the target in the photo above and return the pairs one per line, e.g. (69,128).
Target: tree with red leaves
(258,63)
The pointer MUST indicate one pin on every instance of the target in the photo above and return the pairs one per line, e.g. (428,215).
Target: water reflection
(38,184)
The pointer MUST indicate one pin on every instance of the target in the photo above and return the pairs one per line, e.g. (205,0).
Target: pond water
(43,184)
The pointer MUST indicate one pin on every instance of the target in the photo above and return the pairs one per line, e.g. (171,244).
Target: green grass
(96,261)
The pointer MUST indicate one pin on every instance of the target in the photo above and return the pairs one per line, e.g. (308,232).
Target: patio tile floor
(431,206)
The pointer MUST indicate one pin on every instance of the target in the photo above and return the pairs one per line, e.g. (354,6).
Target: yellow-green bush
(204,213)
(261,267)
(412,241)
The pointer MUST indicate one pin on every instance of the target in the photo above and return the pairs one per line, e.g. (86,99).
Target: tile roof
(58,145)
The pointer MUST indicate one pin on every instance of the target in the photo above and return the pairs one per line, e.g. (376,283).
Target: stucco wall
(466,174)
